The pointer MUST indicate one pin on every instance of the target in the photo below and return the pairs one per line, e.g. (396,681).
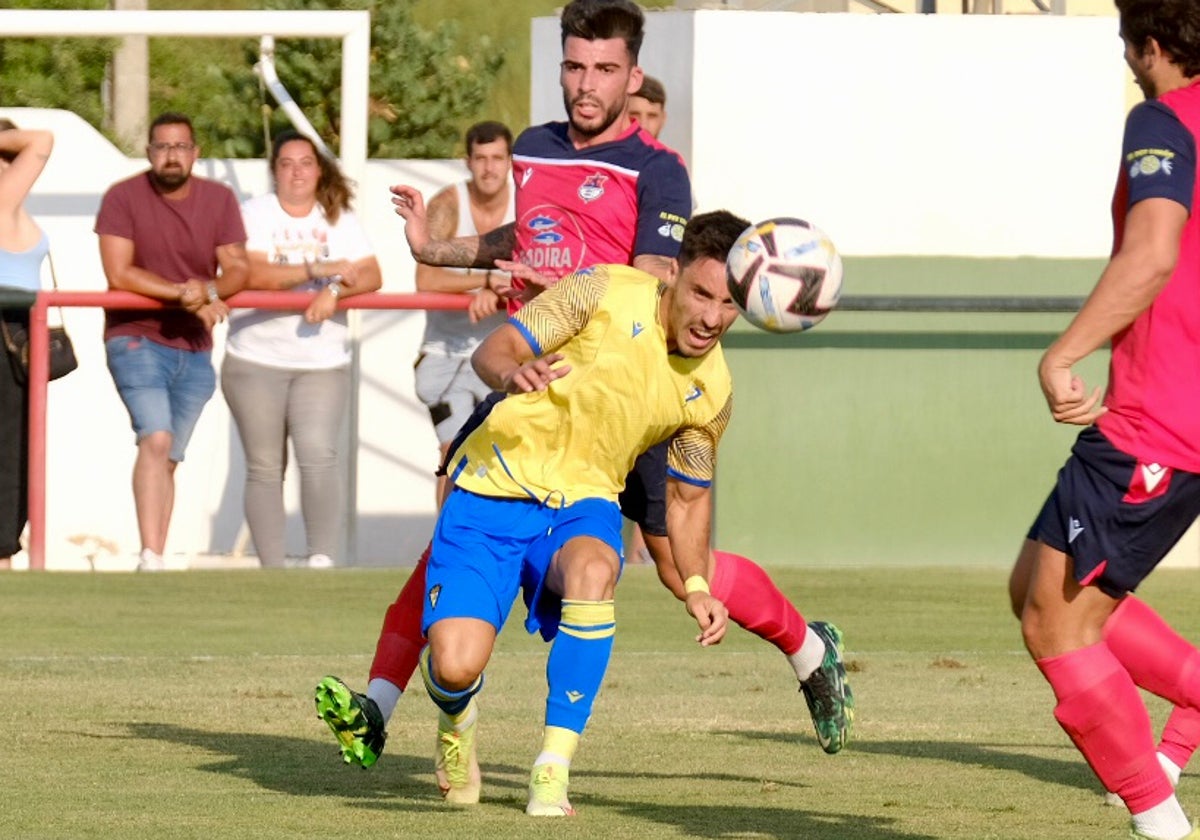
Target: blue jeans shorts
(164,388)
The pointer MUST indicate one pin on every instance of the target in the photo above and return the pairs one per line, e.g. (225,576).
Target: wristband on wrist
(696,583)
(335,289)
(211,288)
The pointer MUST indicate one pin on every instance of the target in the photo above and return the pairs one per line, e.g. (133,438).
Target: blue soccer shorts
(485,549)
(1115,516)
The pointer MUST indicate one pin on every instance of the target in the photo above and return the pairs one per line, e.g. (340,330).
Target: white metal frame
(354,30)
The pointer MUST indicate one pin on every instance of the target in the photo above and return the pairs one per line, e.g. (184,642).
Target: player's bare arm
(661,267)
(1128,285)
(505,362)
(689,520)
(535,283)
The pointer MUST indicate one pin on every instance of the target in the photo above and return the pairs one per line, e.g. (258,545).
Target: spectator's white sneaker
(320,561)
(150,561)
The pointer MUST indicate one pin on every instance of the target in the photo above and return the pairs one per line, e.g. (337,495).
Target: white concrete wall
(977,136)
(897,134)
(91,446)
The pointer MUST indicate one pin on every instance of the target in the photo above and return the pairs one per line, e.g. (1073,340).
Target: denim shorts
(163,388)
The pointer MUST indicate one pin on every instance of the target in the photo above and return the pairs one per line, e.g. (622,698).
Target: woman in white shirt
(23,246)
(287,374)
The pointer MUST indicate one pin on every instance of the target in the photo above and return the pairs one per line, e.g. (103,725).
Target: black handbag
(16,342)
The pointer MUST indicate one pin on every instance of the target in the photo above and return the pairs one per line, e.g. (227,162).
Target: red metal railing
(39,364)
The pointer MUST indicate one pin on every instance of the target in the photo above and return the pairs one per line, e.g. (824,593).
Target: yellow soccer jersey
(625,393)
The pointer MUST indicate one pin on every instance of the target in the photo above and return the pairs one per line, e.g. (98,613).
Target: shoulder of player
(537,136)
(1155,113)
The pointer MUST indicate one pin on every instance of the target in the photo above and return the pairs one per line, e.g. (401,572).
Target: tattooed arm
(460,252)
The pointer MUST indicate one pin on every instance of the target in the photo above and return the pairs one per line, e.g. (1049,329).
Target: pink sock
(1164,663)
(1100,709)
(755,603)
(400,639)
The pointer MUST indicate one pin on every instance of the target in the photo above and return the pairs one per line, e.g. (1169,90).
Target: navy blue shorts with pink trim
(1115,516)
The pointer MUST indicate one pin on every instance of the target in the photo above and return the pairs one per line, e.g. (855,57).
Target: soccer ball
(784,275)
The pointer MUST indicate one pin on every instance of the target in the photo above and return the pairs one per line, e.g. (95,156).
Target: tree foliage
(422,91)
(56,72)
(427,84)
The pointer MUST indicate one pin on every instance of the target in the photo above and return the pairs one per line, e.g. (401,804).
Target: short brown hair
(488,131)
(171,118)
(652,91)
(595,20)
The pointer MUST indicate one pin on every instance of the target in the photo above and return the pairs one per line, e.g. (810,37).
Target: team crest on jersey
(592,187)
(434,593)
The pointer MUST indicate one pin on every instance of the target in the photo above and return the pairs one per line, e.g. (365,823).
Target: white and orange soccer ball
(784,274)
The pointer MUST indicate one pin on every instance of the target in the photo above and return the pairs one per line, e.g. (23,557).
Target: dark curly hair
(710,235)
(1174,24)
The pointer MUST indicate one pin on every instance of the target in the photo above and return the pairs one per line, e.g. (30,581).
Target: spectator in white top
(287,374)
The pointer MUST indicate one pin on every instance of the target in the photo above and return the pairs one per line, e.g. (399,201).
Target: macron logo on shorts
(1074,529)
(1149,482)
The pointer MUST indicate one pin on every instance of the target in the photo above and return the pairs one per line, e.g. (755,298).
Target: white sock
(386,695)
(1173,770)
(1165,821)
(808,658)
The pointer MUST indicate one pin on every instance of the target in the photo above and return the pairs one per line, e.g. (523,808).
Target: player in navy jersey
(594,189)
(1132,484)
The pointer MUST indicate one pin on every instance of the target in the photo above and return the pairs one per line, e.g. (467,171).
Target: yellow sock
(558,746)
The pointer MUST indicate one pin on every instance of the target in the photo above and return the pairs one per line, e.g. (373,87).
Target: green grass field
(180,706)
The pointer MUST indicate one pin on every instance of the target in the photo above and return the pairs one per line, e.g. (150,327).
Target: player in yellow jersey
(599,368)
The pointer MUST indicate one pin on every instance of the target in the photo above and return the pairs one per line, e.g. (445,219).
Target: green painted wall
(910,438)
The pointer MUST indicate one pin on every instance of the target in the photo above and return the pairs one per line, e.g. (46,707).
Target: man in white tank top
(445,381)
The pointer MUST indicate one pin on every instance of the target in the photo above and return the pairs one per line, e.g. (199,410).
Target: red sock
(755,603)
(400,639)
(1164,663)
(1100,709)
(1181,735)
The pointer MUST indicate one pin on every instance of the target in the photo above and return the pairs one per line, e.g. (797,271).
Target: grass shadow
(1072,772)
(301,767)
(756,821)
